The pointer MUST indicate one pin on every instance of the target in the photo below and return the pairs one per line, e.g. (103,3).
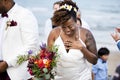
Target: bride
(76,45)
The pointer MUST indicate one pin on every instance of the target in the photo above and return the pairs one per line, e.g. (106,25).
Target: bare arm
(91,52)
(50,40)
(52,36)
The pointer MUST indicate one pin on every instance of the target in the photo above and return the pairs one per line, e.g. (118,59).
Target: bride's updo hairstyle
(68,10)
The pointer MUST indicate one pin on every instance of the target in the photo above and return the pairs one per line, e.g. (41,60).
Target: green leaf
(47,76)
(45,70)
(22,58)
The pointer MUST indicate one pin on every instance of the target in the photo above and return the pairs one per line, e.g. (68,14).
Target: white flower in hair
(75,9)
(65,5)
(68,7)
(62,7)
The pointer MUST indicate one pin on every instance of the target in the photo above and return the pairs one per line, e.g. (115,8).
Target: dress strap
(80,38)
(60,32)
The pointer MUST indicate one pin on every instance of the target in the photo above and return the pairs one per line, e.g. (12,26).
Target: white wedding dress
(71,65)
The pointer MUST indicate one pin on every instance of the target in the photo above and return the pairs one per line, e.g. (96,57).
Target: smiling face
(69,27)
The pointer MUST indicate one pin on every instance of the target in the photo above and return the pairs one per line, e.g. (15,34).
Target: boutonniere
(11,23)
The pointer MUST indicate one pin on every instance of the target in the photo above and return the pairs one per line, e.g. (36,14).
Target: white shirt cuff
(9,64)
(118,41)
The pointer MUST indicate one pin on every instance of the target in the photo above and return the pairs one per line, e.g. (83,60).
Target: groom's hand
(3,66)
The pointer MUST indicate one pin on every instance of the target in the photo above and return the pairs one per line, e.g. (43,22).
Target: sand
(113,61)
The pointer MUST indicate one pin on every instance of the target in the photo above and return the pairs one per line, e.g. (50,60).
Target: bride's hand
(68,44)
(76,44)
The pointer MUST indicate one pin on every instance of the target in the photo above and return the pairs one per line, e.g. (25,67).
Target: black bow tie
(4,15)
(103,61)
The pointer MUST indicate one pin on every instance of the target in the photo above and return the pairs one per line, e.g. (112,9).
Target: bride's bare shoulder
(55,32)
(84,31)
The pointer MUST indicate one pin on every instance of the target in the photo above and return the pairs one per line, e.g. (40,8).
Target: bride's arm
(90,52)
(52,36)
(50,40)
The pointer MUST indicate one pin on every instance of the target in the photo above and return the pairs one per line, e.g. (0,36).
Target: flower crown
(68,7)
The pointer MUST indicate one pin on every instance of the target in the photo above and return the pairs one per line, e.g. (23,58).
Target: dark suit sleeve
(117,74)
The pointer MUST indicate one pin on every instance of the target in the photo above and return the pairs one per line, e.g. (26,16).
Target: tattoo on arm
(90,42)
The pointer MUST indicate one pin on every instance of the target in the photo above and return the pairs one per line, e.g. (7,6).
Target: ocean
(101,15)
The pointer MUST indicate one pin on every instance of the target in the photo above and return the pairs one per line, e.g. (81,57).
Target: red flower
(30,71)
(11,23)
(40,63)
(42,54)
(51,55)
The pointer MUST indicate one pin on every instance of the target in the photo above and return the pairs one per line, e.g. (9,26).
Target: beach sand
(113,61)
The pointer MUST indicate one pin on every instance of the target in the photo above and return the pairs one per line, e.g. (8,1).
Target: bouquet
(41,65)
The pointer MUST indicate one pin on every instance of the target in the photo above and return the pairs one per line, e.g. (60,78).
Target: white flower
(68,7)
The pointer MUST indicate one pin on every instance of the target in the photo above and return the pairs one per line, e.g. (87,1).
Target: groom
(18,34)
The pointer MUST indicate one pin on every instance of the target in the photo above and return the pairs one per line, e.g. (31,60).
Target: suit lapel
(5,33)
(4,25)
